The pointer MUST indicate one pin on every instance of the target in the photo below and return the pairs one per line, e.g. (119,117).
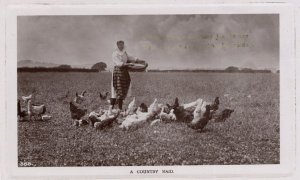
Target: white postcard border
(287,91)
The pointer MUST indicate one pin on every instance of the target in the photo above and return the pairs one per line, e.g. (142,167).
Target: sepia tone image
(148,90)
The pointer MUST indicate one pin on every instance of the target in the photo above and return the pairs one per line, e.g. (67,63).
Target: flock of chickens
(196,114)
(33,112)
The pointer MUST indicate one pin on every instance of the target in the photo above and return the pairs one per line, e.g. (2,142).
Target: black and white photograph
(150,91)
(142,90)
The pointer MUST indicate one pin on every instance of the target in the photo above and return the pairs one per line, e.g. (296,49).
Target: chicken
(217,100)
(155,108)
(167,108)
(102,115)
(140,118)
(79,98)
(107,121)
(175,105)
(183,115)
(164,117)
(180,112)
(103,96)
(22,114)
(82,122)
(134,120)
(93,118)
(192,105)
(153,105)
(142,108)
(221,117)
(167,117)
(35,111)
(215,104)
(202,122)
(26,98)
(76,112)
(38,109)
(199,110)
(131,107)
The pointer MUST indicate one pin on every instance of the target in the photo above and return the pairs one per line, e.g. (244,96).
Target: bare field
(249,136)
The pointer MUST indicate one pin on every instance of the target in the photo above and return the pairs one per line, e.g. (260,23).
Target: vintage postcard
(136,91)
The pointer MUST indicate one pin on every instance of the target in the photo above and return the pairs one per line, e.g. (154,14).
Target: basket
(138,66)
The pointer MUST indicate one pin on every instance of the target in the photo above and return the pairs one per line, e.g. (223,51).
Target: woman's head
(120,45)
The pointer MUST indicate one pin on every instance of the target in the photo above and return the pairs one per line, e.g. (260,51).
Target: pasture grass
(249,136)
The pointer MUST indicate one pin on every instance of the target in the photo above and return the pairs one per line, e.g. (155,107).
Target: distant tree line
(98,67)
(54,69)
(230,69)
(101,66)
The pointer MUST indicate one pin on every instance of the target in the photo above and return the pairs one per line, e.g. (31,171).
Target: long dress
(121,83)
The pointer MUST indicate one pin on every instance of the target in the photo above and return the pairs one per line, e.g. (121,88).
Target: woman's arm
(118,62)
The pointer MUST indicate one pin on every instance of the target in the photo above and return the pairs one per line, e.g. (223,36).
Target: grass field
(249,136)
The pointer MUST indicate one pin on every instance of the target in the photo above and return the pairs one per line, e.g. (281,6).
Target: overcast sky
(164,41)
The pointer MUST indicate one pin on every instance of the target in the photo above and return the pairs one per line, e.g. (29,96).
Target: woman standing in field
(121,82)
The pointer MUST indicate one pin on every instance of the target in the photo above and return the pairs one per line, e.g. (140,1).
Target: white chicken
(132,107)
(192,104)
(199,110)
(106,120)
(35,110)
(103,114)
(140,118)
(155,108)
(164,117)
(26,98)
(135,120)
(201,122)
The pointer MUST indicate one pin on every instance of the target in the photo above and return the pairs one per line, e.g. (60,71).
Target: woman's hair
(120,42)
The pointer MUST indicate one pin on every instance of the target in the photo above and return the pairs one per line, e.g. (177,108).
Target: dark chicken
(76,112)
